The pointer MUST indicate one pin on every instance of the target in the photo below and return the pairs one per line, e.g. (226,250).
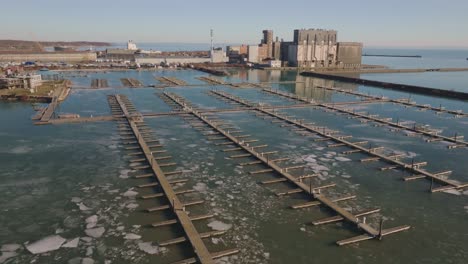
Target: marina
(247,134)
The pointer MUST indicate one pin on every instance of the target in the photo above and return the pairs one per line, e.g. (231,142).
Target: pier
(171,81)
(130,82)
(265,158)
(133,128)
(432,136)
(99,83)
(405,102)
(327,134)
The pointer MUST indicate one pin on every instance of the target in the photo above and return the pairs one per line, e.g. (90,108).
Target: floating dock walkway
(405,102)
(222,131)
(135,132)
(171,81)
(432,136)
(99,83)
(130,82)
(327,134)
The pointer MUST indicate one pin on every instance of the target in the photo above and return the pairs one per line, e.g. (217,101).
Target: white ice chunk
(130,193)
(200,187)
(92,219)
(76,199)
(342,159)
(219,226)
(132,206)
(6,255)
(46,244)
(95,232)
(83,207)
(131,236)
(87,261)
(72,243)
(10,247)
(147,247)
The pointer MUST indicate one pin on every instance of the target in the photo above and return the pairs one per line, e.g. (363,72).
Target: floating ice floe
(87,261)
(148,247)
(7,255)
(76,199)
(91,221)
(130,193)
(131,236)
(200,187)
(342,159)
(219,226)
(95,232)
(46,244)
(132,206)
(86,239)
(83,207)
(10,247)
(73,243)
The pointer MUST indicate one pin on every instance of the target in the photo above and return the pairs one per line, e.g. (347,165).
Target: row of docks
(216,81)
(242,146)
(149,159)
(375,153)
(404,101)
(130,82)
(99,83)
(171,81)
(211,80)
(431,135)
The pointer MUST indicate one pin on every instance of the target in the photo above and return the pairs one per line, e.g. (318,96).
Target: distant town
(310,48)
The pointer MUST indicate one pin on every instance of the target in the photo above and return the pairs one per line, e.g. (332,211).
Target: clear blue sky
(404,23)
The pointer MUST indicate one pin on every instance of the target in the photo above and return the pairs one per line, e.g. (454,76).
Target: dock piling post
(381,228)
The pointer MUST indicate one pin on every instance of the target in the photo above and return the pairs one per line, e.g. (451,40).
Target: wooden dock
(171,81)
(99,83)
(324,133)
(432,136)
(272,165)
(135,124)
(405,102)
(130,82)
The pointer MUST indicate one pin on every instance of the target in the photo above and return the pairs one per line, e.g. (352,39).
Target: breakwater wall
(50,57)
(393,86)
(212,71)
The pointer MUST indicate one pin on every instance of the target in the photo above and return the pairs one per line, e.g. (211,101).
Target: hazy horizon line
(383,46)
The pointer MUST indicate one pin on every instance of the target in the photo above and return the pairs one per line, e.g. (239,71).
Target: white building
(313,54)
(27,81)
(274,63)
(131,45)
(253,54)
(218,55)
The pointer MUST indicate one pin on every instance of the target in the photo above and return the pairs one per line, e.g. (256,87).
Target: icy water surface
(68,189)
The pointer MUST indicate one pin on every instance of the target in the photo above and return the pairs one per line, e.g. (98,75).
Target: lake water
(54,177)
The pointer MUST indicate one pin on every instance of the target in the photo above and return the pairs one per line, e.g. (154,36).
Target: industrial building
(310,48)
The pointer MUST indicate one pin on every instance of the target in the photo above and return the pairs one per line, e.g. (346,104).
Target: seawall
(50,57)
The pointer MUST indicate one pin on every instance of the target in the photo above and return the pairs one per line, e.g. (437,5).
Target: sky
(376,23)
